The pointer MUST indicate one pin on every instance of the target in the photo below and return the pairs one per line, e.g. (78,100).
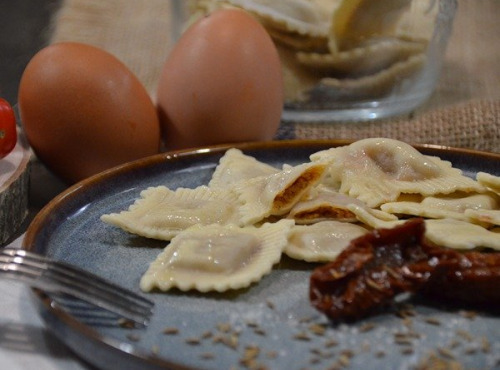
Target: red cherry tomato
(8,133)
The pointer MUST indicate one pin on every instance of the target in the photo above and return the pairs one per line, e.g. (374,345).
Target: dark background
(24,29)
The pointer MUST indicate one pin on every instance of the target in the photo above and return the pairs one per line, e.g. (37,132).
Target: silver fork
(58,277)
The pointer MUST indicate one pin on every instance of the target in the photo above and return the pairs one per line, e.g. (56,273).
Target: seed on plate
(252,324)
(224,327)
(432,321)
(405,313)
(314,360)
(260,331)
(251,352)
(270,304)
(407,351)
(403,341)
(315,351)
(366,327)
(434,362)
(231,341)
(302,336)
(317,329)
(155,349)
(218,338)
(414,334)
(305,320)
(336,366)
(401,335)
(207,356)
(485,345)
(445,352)
(331,343)
(380,354)
(465,335)
(207,335)
(344,360)
(468,314)
(347,352)
(170,331)
(193,341)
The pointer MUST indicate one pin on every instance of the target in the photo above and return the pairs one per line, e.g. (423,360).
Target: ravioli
(372,56)
(322,203)
(370,86)
(378,170)
(484,216)
(357,20)
(276,194)
(234,166)
(217,258)
(451,206)
(370,219)
(161,213)
(460,235)
(489,181)
(322,241)
(447,232)
(299,16)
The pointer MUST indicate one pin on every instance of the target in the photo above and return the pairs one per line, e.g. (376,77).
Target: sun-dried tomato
(378,266)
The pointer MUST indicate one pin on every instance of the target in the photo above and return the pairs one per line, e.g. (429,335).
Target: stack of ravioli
(341,49)
(230,233)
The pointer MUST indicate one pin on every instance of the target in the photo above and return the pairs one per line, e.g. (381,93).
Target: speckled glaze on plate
(221,331)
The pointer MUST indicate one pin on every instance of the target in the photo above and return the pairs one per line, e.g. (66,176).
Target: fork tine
(79,274)
(55,282)
(82,278)
(61,277)
(36,278)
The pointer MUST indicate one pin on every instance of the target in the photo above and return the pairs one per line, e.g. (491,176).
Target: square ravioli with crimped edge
(397,167)
(161,213)
(322,241)
(217,258)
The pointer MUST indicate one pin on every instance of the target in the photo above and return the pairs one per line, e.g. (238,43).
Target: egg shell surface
(83,111)
(221,83)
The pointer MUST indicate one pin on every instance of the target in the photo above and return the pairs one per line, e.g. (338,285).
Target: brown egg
(84,111)
(221,83)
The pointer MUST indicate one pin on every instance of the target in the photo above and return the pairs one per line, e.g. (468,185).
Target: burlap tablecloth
(464,110)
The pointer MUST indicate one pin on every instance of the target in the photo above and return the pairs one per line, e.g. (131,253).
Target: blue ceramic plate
(271,323)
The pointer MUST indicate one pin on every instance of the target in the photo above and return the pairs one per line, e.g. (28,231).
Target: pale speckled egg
(221,83)
(84,111)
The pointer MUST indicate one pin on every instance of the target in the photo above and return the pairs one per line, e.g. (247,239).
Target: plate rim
(49,307)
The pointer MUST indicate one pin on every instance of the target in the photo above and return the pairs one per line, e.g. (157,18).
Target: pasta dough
(217,258)
(378,170)
(276,194)
(161,213)
(322,241)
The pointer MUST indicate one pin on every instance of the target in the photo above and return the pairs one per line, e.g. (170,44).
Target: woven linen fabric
(464,110)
